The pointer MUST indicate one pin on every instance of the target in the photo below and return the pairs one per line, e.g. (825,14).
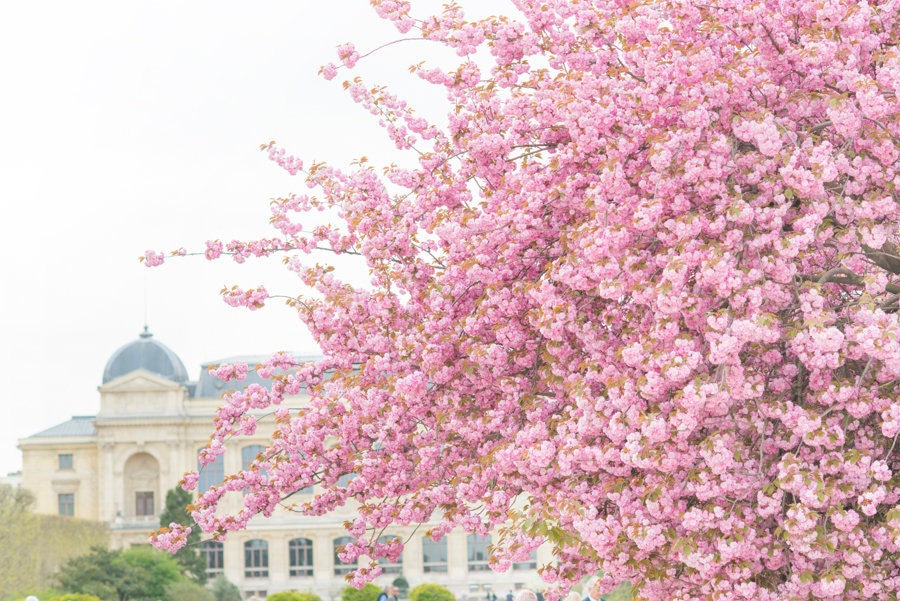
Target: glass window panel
(341,568)
(256,559)
(478,553)
(531,564)
(300,554)
(66,502)
(143,503)
(212,474)
(434,555)
(214,553)
(386,566)
(66,461)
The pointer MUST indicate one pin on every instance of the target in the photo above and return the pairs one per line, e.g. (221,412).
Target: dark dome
(147,354)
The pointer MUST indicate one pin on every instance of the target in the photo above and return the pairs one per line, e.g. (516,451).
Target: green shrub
(75,597)
(188,590)
(369,592)
(431,592)
(293,596)
(224,590)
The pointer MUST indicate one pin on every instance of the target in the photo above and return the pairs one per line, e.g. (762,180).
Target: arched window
(434,555)
(214,554)
(386,566)
(256,559)
(530,564)
(212,474)
(300,553)
(478,552)
(341,568)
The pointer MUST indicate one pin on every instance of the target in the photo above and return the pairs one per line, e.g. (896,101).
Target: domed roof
(147,354)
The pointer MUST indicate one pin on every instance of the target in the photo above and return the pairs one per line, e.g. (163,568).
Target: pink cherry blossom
(634,297)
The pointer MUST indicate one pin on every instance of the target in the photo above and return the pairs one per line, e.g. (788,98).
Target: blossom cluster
(636,299)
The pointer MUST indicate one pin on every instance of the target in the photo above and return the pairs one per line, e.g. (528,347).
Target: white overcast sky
(127,126)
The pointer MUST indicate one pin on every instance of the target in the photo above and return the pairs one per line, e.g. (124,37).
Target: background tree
(32,546)
(431,592)
(635,297)
(130,575)
(96,573)
(188,590)
(64,537)
(177,501)
(19,540)
(225,590)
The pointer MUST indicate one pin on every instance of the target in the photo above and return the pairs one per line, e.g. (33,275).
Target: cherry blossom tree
(636,298)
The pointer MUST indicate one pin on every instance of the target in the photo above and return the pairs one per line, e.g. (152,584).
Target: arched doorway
(142,487)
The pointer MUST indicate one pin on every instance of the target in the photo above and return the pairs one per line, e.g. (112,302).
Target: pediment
(139,381)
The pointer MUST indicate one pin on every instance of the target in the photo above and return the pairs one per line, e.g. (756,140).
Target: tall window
(212,474)
(256,558)
(249,453)
(531,564)
(386,566)
(341,568)
(214,554)
(143,503)
(478,552)
(300,554)
(66,461)
(434,555)
(248,456)
(66,503)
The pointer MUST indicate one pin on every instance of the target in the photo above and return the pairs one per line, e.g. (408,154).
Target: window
(386,566)
(256,559)
(249,453)
(478,552)
(248,456)
(66,503)
(300,553)
(434,555)
(214,554)
(143,503)
(531,564)
(212,474)
(341,568)
(66,461)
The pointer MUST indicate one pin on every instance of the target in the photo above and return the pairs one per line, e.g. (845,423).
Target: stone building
(117,465)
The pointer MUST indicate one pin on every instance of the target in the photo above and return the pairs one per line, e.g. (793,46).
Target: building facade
(117,465)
